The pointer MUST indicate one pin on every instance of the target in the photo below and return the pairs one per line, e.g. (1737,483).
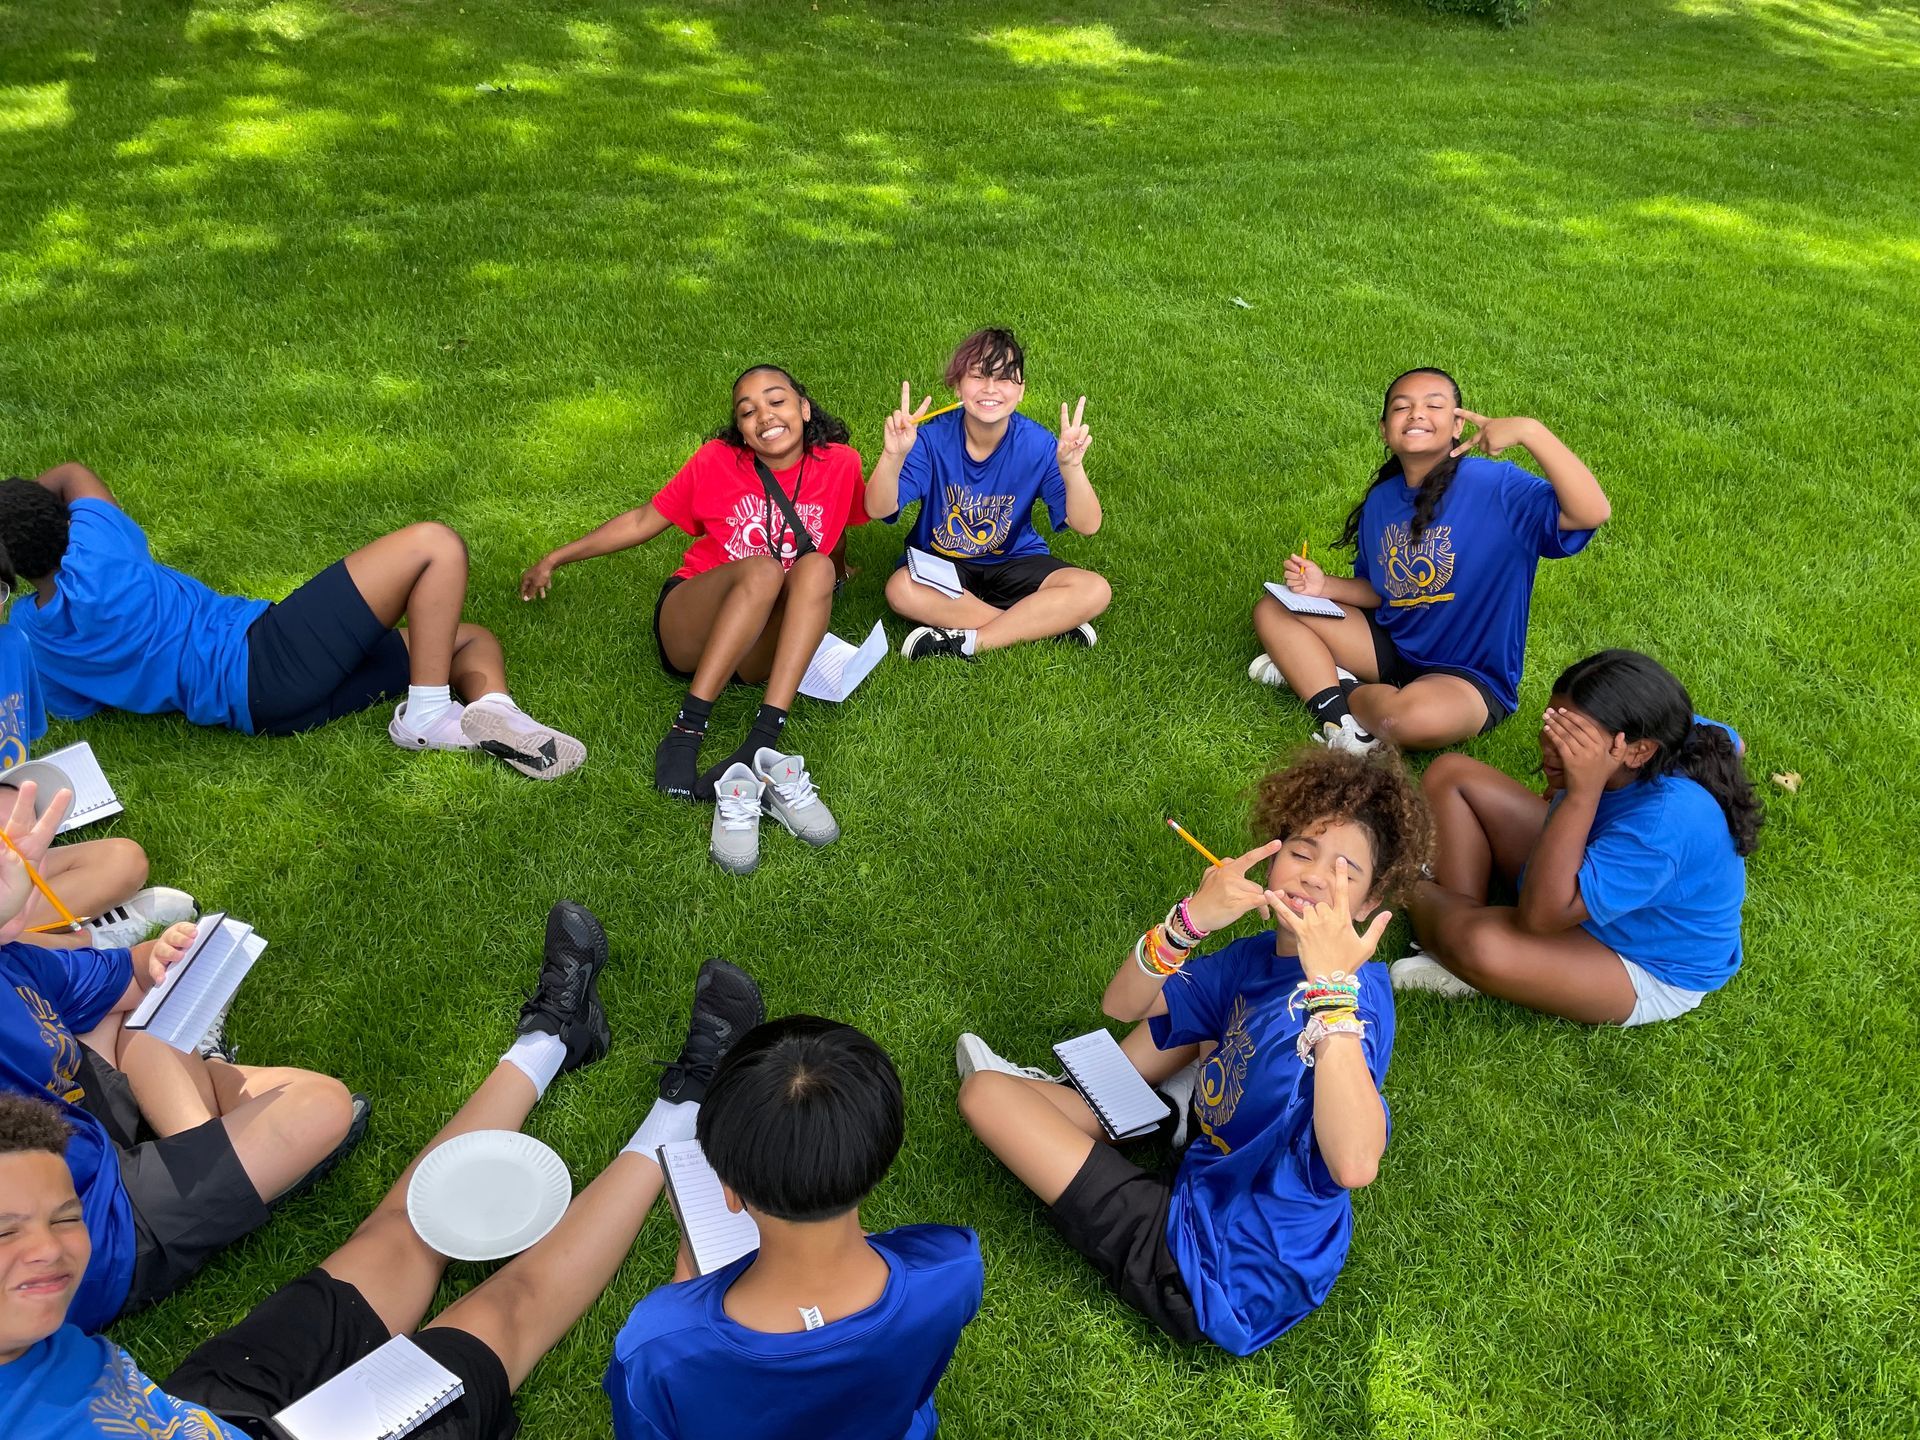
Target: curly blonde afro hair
(1318,787)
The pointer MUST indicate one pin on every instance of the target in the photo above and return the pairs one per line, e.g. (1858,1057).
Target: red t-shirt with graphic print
(717,497)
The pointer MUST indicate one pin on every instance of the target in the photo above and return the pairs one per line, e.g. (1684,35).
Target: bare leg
(419,573)
(710,622)
(1043,1133)
(793,632)
(523,1309)
(1483,822)
(1431,712)
(1154,1064)
(927,606)
(1065,599)
(1570,974)
(90,876)
(1307,647)
(385,1259)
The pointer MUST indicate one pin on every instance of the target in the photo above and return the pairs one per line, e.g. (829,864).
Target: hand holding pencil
(1303,576)
(24,842)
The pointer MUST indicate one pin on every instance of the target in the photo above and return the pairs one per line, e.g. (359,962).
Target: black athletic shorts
(190,1195)
(319,654)
(1115,1214)
(673,582)
(1395,670)
(307,1332)
(1010,581)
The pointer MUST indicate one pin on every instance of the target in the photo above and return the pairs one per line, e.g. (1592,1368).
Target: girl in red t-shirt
(753,595)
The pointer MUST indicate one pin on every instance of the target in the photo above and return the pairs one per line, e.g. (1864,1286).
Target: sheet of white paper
(388,1393)
(838,668)
(1304,604)
(716,1235)
(77,768)
(934,570)
(182,1007)
(1101,1072)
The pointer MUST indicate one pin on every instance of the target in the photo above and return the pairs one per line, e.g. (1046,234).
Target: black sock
(764,734)
(1329,705)
(676,764)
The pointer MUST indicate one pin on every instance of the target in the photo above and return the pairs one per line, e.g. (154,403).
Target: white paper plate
(49,777)
(488,1194)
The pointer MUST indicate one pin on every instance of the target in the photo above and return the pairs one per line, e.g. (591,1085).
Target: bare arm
(1083,505)
(1225,894)
(623,532)
(1550,898)
(74,481)
(901,430)
(1349,1122)
(1303,577)
(1583,504)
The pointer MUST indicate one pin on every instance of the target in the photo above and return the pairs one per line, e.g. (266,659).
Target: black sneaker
(930,640)
(726,1004)
(356,1132)
(567,1003)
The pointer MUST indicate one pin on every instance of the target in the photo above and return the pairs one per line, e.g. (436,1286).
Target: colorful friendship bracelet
(1321,1026)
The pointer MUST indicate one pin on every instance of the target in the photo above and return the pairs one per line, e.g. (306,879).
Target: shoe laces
(739,808)
(797,789)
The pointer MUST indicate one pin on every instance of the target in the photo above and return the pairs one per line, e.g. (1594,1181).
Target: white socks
(501,696)
(667,1121)
(538,1056)
(427,703)
(969,640)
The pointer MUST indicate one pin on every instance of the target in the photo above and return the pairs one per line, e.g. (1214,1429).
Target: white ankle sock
(538,1056)
(427,703)
(969,640)
(667,1121)
(501,696)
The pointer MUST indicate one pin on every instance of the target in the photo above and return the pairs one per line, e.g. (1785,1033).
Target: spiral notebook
(388,1394)
(1305,604)
(715,1235)
(935,572)
(183,1007)
(72,767)
(1126,1106)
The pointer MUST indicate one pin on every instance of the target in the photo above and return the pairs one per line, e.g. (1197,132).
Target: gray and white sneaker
(736,820)
(148,913)
(971,1055)
(790,798)
(1347,736)
(1420,971)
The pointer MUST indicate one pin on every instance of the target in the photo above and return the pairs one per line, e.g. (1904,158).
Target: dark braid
(1627,693)
(33,531)
(820,429)
(1432,490)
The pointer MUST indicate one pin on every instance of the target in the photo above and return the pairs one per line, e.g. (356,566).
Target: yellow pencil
(1212,859)
(45,889)
(941,411)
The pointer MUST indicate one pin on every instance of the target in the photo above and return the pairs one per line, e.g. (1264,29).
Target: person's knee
(759,576)
(1446,773)
(1274,623)
(324,1110)
(1094,592)
(128,862)
(436,540)
(811,572)
(981,1094)
(472,634)
(1468,939)
(899,588)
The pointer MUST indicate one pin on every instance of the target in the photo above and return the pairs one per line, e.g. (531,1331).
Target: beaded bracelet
(1321,1026)
(1152,959)
(1331,991)
(1177,934)
(1168,959)
(1186,920)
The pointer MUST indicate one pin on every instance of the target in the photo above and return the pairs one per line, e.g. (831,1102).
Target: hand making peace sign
(903,425)
(1075,437)
(1225,893)
(1325,932)
(1492,436)
(28,839)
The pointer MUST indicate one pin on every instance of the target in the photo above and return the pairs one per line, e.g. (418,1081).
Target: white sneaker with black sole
(1081,634)
(971,1055)
(147,913)
(1347,736)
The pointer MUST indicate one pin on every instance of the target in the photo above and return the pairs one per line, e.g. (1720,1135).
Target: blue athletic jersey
(47,997)
(1662,884)
(125,632)
(1458,597)
(74,1384)
(1257,1224)
(23,713)
(982,510)
(683,1370)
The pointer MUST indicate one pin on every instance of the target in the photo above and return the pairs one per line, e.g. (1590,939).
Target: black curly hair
(1432,490)
(820,429)
(1319,786)
(33,531)
(29,1123)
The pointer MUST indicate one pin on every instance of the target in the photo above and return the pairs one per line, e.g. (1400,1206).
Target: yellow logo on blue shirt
(13,729)
(59,1040)
(1223,1078)
(123,1404)
(1415,573)
(971,523)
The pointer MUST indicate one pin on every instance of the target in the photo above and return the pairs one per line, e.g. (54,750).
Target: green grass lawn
(290,275)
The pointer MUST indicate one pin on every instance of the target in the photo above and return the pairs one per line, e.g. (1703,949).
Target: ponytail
(1432,490)
(1627,693)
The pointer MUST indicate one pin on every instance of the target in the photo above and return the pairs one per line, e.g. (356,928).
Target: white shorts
(1654,999)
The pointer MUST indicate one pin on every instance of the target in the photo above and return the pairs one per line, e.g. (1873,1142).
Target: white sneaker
(147,913)
(1265,672)
(1340,672)
(971,1055)
(1177,1089)
(790,798)
(1347,736)
(735,842)
(440,733)
(1420,971)
(508,733)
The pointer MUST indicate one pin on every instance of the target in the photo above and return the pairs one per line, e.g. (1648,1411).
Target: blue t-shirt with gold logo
(1457,598)
(981,511)
(72,1384)
(47,998)
(1257,1224)
(23,713)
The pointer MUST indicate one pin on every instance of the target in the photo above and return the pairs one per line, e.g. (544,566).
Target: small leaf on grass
(1240,304)
(1788,780)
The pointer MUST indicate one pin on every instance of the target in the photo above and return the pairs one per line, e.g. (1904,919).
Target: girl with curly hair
(1630,878)
(768,501)
(1290,1030)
